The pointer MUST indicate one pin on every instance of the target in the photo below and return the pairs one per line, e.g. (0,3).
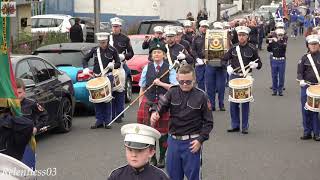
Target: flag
(285,9)
(8,93)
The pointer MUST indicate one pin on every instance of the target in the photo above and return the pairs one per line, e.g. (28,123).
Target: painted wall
(178,9)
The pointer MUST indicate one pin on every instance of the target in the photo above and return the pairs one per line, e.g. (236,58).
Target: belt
(185,137)
(278,58)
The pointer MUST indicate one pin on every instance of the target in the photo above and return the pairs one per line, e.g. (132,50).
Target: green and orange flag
(8,93)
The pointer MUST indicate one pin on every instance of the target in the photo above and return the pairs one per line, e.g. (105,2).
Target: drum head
(97,82)
(240,82)
(314,90)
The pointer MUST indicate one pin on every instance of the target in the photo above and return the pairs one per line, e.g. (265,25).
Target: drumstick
(308,83)
(236,69)
(135,100)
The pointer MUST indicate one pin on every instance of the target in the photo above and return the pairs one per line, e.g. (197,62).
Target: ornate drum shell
(313,98)
(99,90)
(240,90)
(119,79)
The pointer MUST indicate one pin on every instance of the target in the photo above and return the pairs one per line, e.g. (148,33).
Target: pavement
(271,151)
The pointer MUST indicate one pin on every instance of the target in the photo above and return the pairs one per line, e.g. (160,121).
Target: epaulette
(252,46)
(121,167)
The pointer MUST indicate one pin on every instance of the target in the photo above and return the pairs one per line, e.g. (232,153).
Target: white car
(51,23)
(271,8)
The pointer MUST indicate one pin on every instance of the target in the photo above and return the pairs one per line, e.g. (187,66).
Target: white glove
(199,61)
(122,57)
(177,62)
(303,83)
(184,62)
(86,71)
(110,65)
(181,56)
(253,65)
(229,70)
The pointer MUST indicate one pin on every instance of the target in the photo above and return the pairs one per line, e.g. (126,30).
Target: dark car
(146,27)
(50,87)
(90,25)
(67,57)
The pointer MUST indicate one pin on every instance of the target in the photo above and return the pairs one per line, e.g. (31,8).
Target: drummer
(181,41)
(278,47)
(250,58)
(150,74)
(108,54)
(307,76)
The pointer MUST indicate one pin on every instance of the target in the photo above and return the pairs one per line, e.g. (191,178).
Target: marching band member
(308,73)
(188,31)
(122,44)
(109,59)
(191,122)
(198,53)
(149,75)
(150,41)
(215,79)
(175,51)
(249,55)
(139,141)
(278,48)
(181,41)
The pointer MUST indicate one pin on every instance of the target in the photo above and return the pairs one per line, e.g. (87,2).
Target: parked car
(90,25)
(146,27)
(140,58)
(51,23)
(68,58)
(49,86)
(270,8)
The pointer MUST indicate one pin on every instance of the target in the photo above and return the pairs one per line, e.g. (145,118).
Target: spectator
(76,34)
(190,16)
(202,15)
(225,16)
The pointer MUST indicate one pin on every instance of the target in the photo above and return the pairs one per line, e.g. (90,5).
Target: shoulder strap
(168,55)
(99,60)
(315,70)
(111,40)
(240,60)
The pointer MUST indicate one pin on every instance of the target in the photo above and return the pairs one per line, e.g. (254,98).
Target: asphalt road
(271,151)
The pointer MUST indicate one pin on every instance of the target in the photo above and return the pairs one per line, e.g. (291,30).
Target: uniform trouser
(278,72)
(310,120)
(200,76)
(104,110)
(163,144)
(29,157)
(181,161)
(260,43)
(215,78)
(235,112)
(118,103)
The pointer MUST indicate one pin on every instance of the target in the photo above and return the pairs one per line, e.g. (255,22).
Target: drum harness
(315,70)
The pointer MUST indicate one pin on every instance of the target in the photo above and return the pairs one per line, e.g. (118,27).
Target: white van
(51,23)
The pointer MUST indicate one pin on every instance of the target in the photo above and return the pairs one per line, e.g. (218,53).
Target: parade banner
(8,93)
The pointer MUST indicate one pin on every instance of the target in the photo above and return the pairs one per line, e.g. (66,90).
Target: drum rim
(249,99)
(106,83)
(311,108)
(312,94)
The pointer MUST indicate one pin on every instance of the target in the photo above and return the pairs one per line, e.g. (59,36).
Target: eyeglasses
(187,82)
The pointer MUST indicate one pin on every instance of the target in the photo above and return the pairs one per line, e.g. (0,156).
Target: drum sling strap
(168,55)
(315,70)
(111,40)
(243,69)
(100,62)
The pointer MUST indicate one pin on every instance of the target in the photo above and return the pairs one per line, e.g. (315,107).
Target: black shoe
(161,163)
(306,137)
(119,120)
(153,161)
(284,89)
(280,94)
(106,126)
(213,109)
(244,131)
(271,87)
(222,109)
(274,94)
(316,138)
(233,130)
(96,126)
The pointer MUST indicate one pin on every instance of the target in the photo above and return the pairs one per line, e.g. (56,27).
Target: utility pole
(218,10)
(254,5)
(96,17)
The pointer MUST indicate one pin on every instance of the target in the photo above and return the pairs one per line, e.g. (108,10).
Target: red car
(140,58)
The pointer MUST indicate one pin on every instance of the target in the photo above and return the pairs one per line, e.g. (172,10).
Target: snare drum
(240,90)
(313,98)
(99,90)
(119,79)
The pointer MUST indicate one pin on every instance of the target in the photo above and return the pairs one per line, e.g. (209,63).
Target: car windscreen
(45,22)
(64,57)
(137,46)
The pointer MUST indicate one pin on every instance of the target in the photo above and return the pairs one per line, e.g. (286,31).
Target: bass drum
(217,43)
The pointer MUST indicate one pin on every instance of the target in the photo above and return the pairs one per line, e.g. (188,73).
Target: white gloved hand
(181,56)
(253,65)
(184,62)
(302,83)
(199,61)
(86,71)
(110,65)
(229,70)
(176,62)
(122,57)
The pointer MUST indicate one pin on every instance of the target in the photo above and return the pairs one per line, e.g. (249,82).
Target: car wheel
(128,89)
(65,120)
